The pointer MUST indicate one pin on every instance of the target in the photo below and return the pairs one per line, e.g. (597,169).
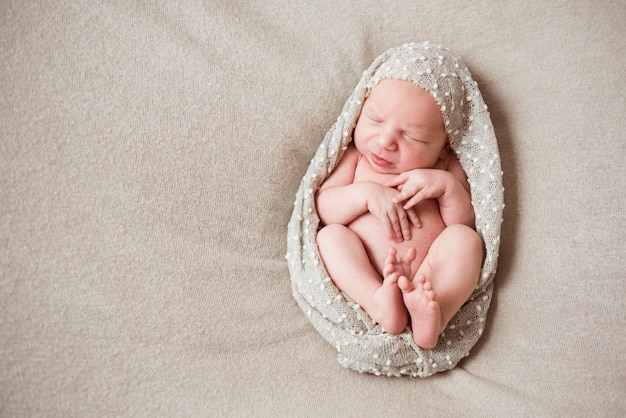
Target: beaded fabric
(362,344)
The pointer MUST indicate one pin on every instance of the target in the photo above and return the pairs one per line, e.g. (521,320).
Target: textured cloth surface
(361,343)
(149,160)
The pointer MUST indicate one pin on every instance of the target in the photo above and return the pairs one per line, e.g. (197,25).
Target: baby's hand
(418,185)
(395,219)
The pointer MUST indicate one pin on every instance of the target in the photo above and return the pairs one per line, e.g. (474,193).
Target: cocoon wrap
(362,344)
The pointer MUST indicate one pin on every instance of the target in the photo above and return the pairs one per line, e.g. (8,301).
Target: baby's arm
(340,200)
(449,187)
(454,167)
(462,203)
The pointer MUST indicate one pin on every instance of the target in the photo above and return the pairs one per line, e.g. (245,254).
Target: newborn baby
(398,223)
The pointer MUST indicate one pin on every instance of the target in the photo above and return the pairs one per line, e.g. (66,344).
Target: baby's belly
(377,245)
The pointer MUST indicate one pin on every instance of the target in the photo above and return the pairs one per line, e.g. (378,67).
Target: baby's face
(400,128)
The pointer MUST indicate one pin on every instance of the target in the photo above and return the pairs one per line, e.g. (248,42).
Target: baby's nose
(387,140)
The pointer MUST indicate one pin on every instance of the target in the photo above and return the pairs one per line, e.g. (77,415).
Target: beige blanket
(150,154)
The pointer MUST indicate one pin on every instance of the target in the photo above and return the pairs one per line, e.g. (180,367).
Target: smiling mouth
(381,162)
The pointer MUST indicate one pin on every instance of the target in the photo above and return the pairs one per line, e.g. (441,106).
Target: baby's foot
(395,268)
(390,311)
(424,310)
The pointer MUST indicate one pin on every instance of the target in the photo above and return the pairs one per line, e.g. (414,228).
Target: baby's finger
(418,197)
(415,220)
(388,227)
(407,192)
(405,224)
(399,198)
(392,227)
(404,195)
(397,180)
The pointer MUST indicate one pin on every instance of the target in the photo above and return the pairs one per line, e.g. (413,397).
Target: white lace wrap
(362,344)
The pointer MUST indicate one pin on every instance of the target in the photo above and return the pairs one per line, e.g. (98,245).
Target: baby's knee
(331,234)
(327,232)
(464,238)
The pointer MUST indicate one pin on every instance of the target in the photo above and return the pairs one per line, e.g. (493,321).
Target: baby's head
(435,70)
(401,128)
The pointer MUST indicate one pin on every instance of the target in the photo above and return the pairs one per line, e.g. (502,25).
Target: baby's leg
(350,269)
(443,283)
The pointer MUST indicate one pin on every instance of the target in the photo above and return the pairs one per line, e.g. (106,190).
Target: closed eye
(374,119)
(414,139)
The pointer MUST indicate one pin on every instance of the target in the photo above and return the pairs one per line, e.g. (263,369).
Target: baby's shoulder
(351,153)
(344,172)
(456,169)
(350,158)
